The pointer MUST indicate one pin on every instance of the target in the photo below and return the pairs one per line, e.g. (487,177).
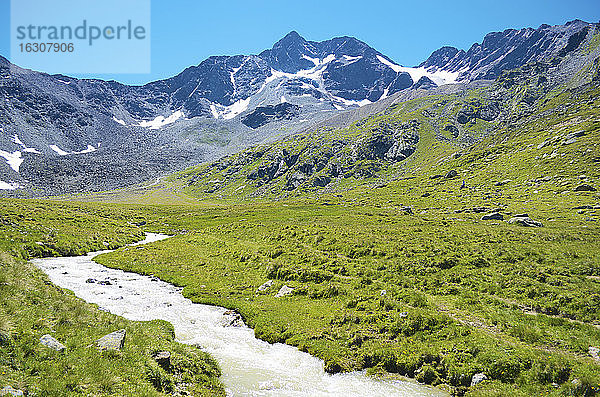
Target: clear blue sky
(185,32)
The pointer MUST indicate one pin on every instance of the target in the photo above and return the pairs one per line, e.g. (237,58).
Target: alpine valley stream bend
(445,231)
(250,367)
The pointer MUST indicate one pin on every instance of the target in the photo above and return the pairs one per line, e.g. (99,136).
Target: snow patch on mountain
(349,102)
(9,185)
(235,109)
(13,159)
(25,148)
(350,60)
(313,60)
(119,121)
(439,77)
(395,68)
(89,149)
(61,152)
(314,73)
(232,79)
(58,150)
(229,112)
(161,121)
(213,110)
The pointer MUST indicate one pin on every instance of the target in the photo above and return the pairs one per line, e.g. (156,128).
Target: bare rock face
(52,343)
(284,291)
(112,341)
(266,114)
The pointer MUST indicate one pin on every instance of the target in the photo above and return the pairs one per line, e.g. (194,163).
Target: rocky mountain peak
(289,54)
(441,56)
(509,49)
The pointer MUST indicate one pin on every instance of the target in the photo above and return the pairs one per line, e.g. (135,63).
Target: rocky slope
(508,50)
(374,149)
(61,134)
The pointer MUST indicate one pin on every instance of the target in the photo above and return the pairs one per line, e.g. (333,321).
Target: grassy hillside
(30,306)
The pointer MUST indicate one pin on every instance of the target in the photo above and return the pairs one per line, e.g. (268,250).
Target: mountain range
(62,135)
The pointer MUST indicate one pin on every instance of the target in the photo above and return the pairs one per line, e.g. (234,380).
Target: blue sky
(185,32)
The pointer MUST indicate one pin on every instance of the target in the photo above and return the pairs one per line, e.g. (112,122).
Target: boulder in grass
(524,220)
(451,174)
(265,286)
(283,291)
(233,319)
(502,183)
(594,352)
(51,342)
(112,341)
(10,391)
(496,216)
(585,188)
(478,378)
(163,359)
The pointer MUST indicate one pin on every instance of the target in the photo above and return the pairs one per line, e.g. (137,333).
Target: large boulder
(492,216)
(233,319)
(452,129)
(524,220)
(112,341)
(52,343)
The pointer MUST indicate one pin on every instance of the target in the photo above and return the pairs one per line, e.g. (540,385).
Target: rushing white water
(250,367)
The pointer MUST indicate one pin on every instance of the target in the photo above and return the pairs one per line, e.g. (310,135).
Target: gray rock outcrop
(283,291)
(524,220)
(163,358)
(492,216)
(265,286)
(10,391)
(478,378)
(585,188)
(112,341)
(52,343)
